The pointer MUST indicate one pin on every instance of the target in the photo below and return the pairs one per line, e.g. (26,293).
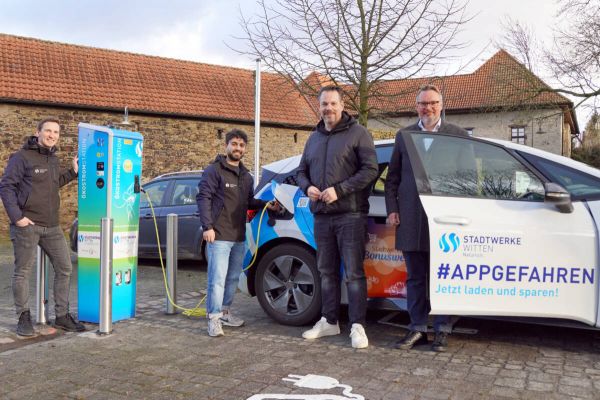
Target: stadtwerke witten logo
(449,242)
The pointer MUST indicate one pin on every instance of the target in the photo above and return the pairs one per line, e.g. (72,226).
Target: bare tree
(519,40)
(573,58)
(353,43)
(575,54)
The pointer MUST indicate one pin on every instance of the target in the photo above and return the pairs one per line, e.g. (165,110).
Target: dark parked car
(170,193)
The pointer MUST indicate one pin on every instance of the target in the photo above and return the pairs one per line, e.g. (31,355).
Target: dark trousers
(417,266)
(25,241)
(342,238)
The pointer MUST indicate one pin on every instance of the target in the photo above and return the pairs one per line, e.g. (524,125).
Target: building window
(517,134)
(470,131)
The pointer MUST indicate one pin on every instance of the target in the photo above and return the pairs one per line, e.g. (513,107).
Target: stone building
(182,108)
(501,100)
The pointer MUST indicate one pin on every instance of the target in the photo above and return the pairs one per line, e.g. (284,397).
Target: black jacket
(401,195)
(211,198)
(344,159)
(29,187)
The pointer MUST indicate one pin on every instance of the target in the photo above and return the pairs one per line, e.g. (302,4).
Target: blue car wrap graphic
(300,227)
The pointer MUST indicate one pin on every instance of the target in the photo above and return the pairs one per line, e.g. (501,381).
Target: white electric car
(513,233)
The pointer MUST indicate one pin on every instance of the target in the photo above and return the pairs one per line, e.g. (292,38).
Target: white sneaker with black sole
(322,328)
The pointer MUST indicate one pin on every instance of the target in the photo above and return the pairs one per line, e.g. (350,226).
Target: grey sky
(198,29)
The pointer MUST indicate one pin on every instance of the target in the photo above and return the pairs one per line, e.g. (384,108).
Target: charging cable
(262,214)
(197,311)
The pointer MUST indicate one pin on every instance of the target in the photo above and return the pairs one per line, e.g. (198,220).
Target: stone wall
(170,144)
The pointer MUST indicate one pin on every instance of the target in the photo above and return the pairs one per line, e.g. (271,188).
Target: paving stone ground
(156,356)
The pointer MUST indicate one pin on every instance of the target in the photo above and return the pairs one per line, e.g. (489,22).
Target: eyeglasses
(427,103)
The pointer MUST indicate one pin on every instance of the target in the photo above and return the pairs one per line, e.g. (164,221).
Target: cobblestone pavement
(156,356)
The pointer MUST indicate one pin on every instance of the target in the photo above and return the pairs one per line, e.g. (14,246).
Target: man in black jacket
(225,193)
(406,212)
(30,194)
(336,171)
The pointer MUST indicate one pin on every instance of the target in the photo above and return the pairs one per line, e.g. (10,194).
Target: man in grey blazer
(406,212)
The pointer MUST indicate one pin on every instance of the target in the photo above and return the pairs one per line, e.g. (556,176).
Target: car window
(379,187)
(579,184)
(184,192)
(156,192)
(458,166)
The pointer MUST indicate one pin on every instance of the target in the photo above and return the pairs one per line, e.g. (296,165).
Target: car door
(497,248)
(582,182)
(156,191)
(182,202)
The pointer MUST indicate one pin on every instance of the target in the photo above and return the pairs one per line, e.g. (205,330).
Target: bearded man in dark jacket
(225,193)
(336,171)
(30,194)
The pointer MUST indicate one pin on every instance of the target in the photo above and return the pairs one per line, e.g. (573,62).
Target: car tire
(287,285)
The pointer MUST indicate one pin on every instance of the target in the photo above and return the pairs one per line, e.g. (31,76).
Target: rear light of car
(250,214)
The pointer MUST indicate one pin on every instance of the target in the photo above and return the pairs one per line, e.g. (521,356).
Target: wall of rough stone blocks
(170,144)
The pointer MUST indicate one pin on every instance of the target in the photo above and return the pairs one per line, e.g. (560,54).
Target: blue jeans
(417,266)
(342,238)
(224,268)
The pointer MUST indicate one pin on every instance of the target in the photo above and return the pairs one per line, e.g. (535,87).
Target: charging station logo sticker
(88,244)
(315,382)
(125,245)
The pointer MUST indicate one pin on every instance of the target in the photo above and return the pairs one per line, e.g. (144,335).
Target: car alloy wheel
(288,286)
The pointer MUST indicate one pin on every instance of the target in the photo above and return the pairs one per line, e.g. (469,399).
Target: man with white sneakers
(336,171)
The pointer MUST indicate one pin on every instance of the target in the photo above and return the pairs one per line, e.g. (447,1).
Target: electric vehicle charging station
(110,169)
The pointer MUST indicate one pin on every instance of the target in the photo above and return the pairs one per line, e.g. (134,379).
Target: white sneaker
(231,320)
(322,328)
(214,327)
(359,337)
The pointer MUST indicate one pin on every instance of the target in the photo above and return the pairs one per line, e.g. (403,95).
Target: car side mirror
(559,196)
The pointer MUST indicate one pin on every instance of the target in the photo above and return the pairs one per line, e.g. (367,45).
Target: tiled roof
(48,72)
(499,82)
(35,70)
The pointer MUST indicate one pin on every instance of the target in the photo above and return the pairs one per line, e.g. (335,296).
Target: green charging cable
(197,311)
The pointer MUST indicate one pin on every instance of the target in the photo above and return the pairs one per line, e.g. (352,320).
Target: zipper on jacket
(325,162)
(50,192)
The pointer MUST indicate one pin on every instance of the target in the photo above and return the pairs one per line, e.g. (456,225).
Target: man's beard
(234,156)
(429,119)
